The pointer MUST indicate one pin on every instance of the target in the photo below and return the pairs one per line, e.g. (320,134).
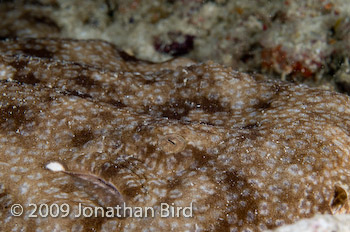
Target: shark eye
(339,202)
(172,143)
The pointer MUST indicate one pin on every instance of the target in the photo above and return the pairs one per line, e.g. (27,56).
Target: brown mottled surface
(249,154)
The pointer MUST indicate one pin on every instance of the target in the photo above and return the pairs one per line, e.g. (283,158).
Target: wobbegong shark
(197,146)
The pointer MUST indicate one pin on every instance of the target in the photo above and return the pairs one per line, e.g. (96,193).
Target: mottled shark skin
(83,123)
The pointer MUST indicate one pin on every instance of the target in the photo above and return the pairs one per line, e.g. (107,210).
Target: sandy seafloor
(304,41)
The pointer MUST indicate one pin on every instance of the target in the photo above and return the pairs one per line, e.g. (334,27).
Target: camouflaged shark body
(85,124)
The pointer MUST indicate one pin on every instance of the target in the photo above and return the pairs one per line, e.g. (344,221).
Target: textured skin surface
(249,154)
